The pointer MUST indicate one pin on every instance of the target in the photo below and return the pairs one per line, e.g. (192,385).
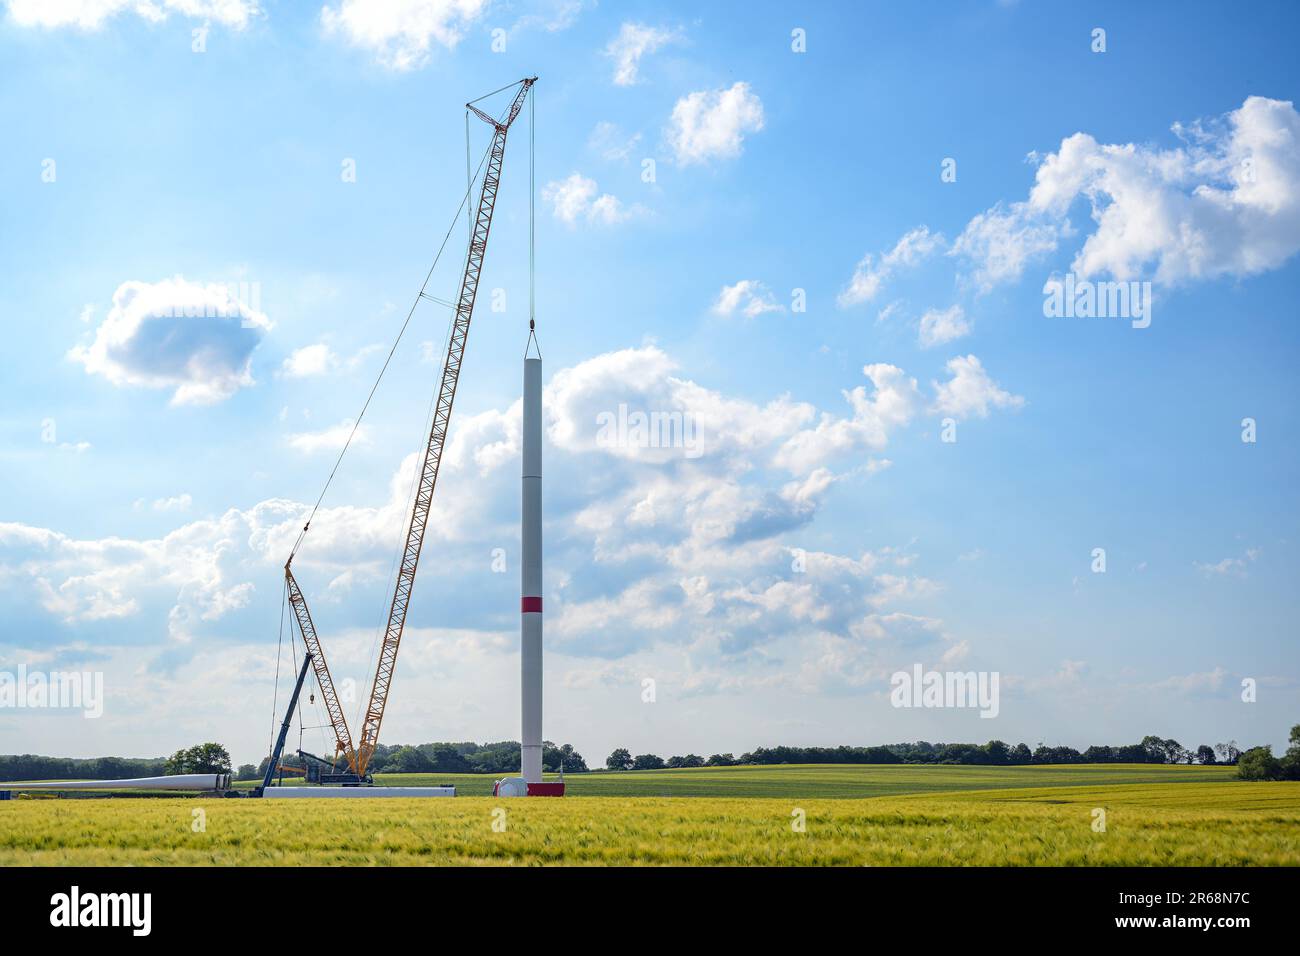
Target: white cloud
(906,630)
(97,580)
(634,41)
(1227,203)
(1002,241)
(940,326)
(749,296)
(180,502)
(1204,683)
(310,360)
(328,439)
(711,124)
(1229,566)
(970,391)
(197,339)
(92,14)
(691,558)
(610,142)
(577,198)
(892,404)
(400,33)
(870,276)
(888,312)
(553,16)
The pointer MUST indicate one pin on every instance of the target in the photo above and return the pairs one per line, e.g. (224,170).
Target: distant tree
(201,758)
(647,762)
(721,760)
(1291,760)
(1164,751)
(1258,763)
(1154,747)
(1020,754)
(1097,754)
(408,760)
(246,772)
(444,758)
(1045,754)
(554,757)
(997,752)
(1228,753)
(958,753)
(690,760)
(1132,753)
(1205,755)
(620,759)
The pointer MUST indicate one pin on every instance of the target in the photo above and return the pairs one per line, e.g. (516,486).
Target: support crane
(358,756)
(369,738)
(342,736)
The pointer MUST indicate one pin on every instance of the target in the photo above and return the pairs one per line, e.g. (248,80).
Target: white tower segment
(530,605)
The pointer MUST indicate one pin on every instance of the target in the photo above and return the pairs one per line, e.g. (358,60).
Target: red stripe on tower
(530,604)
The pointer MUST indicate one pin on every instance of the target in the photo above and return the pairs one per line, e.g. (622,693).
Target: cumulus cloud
(92,14)
(870,275)
(578,199)
(634,41)
(196,339)
(970,391)
(661,553)
(97,580)
(328,439)
(943,325)
(1225,203)
(892,403)
(401,33)
(1002,241)
(179,502)
(712,124)
(310,360)
(749,297)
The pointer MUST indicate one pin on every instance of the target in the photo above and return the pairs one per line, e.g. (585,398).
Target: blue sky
(155,471)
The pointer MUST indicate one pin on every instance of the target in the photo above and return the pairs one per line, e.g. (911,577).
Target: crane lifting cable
(358,754)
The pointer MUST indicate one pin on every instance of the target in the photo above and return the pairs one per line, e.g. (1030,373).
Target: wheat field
(1190,822)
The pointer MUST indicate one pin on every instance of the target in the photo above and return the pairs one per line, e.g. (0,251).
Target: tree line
(446,757)
(34,767)
(1256,763)
(456,757)
(1151,749)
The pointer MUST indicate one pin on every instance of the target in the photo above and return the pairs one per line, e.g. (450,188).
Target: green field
(851,815)
(828,780)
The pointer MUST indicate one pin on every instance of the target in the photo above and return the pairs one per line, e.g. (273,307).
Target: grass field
(830,780)
(736,816)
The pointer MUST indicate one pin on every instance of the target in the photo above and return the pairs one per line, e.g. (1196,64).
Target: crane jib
(358,757)
(369,738)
